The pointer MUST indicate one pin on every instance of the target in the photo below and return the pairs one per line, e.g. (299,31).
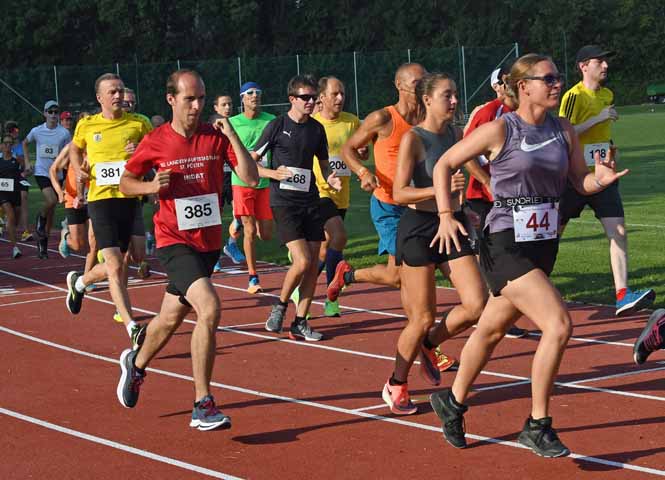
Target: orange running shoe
(397,398)
(443,361)
(337,284)
(429,368)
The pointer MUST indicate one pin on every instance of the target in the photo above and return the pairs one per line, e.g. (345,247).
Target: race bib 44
(536,222)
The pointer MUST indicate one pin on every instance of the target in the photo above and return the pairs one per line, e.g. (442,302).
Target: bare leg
(380,274)
(616,234)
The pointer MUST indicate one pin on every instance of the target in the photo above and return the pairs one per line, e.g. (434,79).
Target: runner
(294,139)
(589,106)
(250,205)
(50,138)
(11,127)
(10,194)
(339,126)
(419,151)
(479,198)
(67,121)
(531,155)
(105,136)
(187,156)
(652,337)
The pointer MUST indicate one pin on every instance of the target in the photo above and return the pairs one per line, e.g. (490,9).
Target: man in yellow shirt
(339,126)
(590,108)
(105,137)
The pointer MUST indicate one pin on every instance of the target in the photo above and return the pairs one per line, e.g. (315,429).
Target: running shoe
(16,252)
(40,225)
(117,317)
(451,414)
(253,285)
(42,248)
(64,224)
(130,379)
(634,301)
(303,330)
(337,284)
(443,361)
(63,248)
(276,318)
(27,236)
(137,335)
(539,436)
(143,271)
(429,365)
(331,309)
(206,415)
(218,266)
(651,338)
(516,332)
(397,398)
(232,251)
(74,297)
(295,298)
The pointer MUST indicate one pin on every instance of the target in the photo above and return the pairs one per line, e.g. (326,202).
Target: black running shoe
(74,297)
(130,379)
(451,414)
(651,338)
(540,437)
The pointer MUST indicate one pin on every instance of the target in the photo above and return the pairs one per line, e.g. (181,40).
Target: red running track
(299,410)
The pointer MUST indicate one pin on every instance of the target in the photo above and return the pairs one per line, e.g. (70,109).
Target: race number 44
(536,222)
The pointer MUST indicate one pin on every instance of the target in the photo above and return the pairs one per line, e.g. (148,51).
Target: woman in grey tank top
(531,154)
(419,150)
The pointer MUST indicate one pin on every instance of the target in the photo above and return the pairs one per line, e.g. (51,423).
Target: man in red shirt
(188,157)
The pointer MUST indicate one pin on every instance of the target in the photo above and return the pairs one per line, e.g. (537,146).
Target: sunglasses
(253,92)
(550,80)
(53,112)
(305,97)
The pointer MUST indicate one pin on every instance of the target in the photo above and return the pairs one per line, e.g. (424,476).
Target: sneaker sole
(437,406)
(228,254)
(296,336)
(385,395)
(123,378)
(224,424)
(70,288)
(645,301)
(521,335)
(531,446)
(268,329)
(254,290)
(655,316)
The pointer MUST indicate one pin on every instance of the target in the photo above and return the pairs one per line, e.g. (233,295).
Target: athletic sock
(283,304)
(79,285)
(427,344)
(621,293)
(322,265)
(393,381)
(333,257)
(298,320)
(253,275)
(130,326)
(349,277)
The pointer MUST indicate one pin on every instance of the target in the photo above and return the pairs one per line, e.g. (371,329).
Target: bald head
(406,78)
(407,70)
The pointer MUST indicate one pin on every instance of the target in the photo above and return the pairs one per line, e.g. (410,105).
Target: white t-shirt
(49,142)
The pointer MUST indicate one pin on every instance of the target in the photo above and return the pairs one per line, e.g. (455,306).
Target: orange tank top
(70,187)
(385,156)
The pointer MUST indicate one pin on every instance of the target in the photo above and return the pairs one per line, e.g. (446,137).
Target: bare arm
(280,173)
(59,164)
(607,113)
(26,158)
(410,149)
(474,168)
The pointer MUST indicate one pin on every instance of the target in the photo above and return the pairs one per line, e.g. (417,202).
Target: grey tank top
(435,145)
(533,162)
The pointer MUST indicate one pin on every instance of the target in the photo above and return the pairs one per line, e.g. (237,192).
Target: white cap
(494,78)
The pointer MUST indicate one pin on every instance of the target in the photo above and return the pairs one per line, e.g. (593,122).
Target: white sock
(79,285)
(130,326)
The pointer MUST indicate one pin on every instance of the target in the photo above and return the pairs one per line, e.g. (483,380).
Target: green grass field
(582,272)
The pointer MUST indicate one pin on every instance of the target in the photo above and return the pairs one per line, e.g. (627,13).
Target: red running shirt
(490,112)
(196,165)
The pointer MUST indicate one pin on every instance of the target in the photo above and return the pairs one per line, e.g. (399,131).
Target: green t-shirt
(249,131)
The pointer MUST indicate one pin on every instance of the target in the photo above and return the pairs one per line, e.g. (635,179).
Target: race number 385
(536,222)
(591,149)
(198,211)
(299,181)
(109,173)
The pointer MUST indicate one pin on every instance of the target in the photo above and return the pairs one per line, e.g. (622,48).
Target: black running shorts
(113,221)
(298,222)
(76,216)
(43,182)
(227,190)
(184,266)
(502,259)
(329,209)
(415,233)
(605,204)
(138,227)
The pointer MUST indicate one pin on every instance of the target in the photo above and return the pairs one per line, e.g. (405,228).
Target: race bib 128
(590,149)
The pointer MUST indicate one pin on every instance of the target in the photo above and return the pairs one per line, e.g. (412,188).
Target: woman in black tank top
(517,262)
(419,151)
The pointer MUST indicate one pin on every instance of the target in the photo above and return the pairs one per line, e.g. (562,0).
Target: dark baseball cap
(588,52)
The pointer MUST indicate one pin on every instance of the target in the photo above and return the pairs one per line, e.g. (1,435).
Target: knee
(76,243)
(210,314)
(265,235)
(250,231)
(301,263)
(559,329)
(474,308)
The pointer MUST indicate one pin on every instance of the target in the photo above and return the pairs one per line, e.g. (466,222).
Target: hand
(61,197)
(363,152)
(83,177)
(334,181)
(162,180)
(282,173)
(608,113)
(447,233)
(457,181)
(605,171)
(224,126)
(369,182)
(27,171)
(78,202)
(130,147)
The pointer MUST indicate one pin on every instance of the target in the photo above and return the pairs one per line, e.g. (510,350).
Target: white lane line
(37,300)
(18,294)
(503,385)
(648,225)
(352,352)
(323,406)
(373,407)
(618,375)
(116,445)
(588,340)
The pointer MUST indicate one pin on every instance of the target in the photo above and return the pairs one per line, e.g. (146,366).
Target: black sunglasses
(305,97)
(52,112)
(550,80)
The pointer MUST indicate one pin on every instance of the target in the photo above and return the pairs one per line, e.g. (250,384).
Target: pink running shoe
(397,398)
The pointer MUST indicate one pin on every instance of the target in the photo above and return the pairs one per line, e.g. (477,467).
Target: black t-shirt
(294,145)
(9,170)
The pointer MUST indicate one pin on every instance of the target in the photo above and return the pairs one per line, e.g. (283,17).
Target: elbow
(399,196)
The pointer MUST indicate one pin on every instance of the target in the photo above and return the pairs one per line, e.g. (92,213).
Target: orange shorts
(251,202)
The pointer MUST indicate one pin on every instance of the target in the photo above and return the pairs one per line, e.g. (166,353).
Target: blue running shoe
(232,250)
(634,301)
(218,266)
(254,286)
(206,415)
(63,248)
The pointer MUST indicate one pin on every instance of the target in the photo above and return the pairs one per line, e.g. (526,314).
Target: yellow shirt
(578,105)
(338,132)
(104,141)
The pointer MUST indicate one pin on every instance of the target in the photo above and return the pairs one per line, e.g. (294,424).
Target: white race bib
(536,222)
(109,173)
(198,212)
(6,184)
(340,168)
(299,181)
(48,151)
(590,150)
(227,168)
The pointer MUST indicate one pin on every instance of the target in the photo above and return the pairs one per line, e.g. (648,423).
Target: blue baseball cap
(249,86)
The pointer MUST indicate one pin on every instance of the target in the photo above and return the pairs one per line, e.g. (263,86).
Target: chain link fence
(368,77)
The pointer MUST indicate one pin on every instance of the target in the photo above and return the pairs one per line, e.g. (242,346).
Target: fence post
(297,64)
(408,55)
(117,69)
(517,50)
(136,74)
(55,77)
(355,82)
(178,63)
(239,74)
(466,109)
